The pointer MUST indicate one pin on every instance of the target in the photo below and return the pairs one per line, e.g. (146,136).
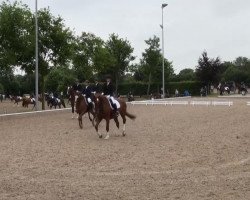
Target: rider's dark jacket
(87,91)
(77,87)
(108,89)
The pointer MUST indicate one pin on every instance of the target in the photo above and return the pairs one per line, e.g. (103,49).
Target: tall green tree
(15,36)
(86,49)
(120,51)
(208,69)
(151,63)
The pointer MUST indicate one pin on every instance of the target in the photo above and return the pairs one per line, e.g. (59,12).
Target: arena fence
(193,103)
(33,112)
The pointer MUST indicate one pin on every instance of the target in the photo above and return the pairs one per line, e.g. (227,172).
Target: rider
(87,92)
(108,90)
(77,86)
(97,88)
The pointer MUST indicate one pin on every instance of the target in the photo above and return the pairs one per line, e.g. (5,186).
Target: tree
(86,49)
(151,63)
(15,35)
(120,51)
(208,69)
(59,79)
(186,75)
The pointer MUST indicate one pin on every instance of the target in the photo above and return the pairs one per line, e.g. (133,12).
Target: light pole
(36,71)
(163,71)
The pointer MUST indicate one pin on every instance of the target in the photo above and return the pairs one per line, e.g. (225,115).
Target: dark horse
(72,98)
(27,101)
(53,101)
(83,107)
(16,99)
(104,111)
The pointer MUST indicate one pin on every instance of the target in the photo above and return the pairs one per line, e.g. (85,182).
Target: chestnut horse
(27,101)
(104,111)
(82,107)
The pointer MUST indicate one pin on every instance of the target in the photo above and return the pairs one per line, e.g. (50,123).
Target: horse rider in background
(108,91)
(87,92)
(97,87)
(77,86)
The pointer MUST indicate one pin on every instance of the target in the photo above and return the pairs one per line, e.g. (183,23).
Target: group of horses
(99,109)
(27,100)
(227,88)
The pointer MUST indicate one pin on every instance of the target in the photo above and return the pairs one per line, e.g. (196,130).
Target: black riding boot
(115,110)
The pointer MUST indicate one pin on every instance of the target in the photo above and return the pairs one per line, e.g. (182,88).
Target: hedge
(139,88)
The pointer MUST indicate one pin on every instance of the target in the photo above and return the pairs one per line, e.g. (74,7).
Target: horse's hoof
(100,136)
(107,137)
(123,134)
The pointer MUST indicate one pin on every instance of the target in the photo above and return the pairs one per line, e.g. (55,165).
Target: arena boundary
(248,103)
(33,112)
(193,103)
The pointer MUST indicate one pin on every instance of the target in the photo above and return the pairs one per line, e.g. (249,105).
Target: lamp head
(164,5)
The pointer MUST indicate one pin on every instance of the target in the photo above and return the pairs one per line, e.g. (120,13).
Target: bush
(140,88)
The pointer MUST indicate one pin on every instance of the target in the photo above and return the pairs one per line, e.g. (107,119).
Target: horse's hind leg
(117,122)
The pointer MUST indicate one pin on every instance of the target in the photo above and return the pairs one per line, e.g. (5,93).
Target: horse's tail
(130,115)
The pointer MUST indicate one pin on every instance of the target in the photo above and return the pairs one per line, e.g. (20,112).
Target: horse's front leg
(80,120)
(107,129)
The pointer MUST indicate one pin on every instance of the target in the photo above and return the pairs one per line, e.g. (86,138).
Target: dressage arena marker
(33,112)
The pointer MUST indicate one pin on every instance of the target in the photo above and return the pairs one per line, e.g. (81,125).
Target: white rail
(193,103)
(33,112)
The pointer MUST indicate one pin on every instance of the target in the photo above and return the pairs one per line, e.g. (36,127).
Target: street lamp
(36,50)
(163,71)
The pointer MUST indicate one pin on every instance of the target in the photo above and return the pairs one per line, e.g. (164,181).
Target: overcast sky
(221,27)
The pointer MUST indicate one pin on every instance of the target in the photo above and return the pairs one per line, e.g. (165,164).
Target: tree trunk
(149,83)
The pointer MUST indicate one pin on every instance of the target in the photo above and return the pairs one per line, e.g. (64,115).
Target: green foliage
(15,34)
(208,69)
(88,56)
(121,55)
(59,79)
(1,89)
(150,68)
(193,87)
(186,75)
(140,88)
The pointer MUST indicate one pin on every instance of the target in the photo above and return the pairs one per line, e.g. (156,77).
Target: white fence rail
(193,103)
